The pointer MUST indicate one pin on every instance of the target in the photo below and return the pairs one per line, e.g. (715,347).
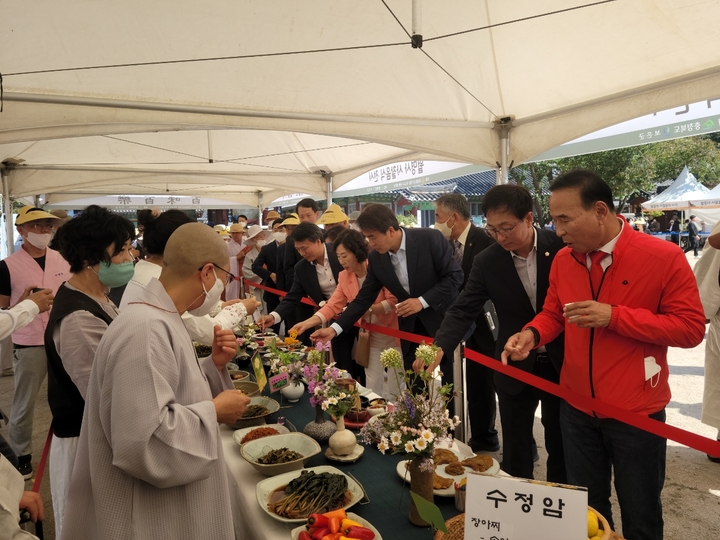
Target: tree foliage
(628,170)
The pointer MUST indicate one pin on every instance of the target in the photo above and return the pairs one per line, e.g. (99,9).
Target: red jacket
(655,305)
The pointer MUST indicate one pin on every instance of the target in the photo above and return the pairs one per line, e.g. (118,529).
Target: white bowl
(240,433)
(364,522)
(298,442)
(374,411)
(270,404)
(265,488)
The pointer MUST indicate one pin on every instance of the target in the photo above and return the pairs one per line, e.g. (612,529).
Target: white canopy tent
(249,100)
(679,194)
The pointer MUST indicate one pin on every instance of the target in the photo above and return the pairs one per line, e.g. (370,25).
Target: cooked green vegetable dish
(255,410)
(311,493)
(281,455)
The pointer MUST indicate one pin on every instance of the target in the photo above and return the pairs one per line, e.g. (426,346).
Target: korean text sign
(505,508)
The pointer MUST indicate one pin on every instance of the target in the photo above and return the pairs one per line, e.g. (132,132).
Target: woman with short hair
(97,246)
(352,253)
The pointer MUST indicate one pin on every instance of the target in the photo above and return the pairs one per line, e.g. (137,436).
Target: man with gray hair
(452,219)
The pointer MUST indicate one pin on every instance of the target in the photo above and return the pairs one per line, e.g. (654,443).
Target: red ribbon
(687,438)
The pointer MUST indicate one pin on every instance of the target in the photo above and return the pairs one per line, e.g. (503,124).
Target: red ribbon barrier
(687,438)
(43,461)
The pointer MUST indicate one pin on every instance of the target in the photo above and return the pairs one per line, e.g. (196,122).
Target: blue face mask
(116,275)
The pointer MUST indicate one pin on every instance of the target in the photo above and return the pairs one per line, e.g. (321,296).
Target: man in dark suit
(307,211)
(452,219)
(416,265)
(693,236)
(514,274)
(315,277)
(266,265)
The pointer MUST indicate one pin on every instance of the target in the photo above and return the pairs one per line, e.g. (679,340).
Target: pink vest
(24,272)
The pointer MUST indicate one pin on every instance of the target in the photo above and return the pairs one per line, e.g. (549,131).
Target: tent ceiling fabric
(307,73)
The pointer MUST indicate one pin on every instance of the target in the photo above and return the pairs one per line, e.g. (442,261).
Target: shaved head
(192,246)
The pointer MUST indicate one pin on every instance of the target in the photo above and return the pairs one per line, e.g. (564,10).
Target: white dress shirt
(527,272)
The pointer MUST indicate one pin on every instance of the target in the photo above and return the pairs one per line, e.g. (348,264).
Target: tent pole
(504,146)
(260,207)
(329,188)
(7,210)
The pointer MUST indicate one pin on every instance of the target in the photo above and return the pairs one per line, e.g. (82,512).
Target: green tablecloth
(389,495)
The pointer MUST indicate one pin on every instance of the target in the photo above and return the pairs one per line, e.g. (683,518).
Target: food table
(389,496)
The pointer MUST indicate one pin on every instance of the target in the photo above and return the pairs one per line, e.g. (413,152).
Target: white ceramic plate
(404,473)
(364,522)
(240,433)
(266,487)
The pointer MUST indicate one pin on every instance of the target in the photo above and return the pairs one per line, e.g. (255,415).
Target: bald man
(150,463)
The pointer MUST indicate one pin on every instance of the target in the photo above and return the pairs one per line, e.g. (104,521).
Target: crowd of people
(136,449)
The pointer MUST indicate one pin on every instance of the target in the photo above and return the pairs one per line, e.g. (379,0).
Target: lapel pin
(547,253)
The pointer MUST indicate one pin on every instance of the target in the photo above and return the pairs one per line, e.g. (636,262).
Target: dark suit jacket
(292,257)
(267,257)
(280,272)
(433,273)
(494,277)
(482,339)
(306,284)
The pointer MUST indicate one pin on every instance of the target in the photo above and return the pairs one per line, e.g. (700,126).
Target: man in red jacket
(618,323)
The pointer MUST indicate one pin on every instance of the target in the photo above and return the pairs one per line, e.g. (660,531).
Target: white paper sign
(505,508)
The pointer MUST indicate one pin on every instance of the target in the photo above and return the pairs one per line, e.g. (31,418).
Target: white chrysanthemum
(318,391)
(343,395)
(283,369)
(332,401)
(324,405)
(427,435)
(421,444)
(409,447)
(383,445)
(396,438)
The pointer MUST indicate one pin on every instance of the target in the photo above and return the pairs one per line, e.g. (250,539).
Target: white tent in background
(711,200)
(678,196)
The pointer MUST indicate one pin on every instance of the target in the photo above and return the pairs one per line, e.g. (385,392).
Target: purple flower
(410,406)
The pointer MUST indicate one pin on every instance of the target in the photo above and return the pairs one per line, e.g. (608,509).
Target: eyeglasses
(230,277)
(39,226)
(505,232)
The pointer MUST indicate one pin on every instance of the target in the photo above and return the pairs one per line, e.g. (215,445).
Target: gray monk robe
(150,462)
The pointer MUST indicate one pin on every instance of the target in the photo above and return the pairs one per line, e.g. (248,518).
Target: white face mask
(443,228)
(212,297)
(259,243)
(40,241)
(279,237)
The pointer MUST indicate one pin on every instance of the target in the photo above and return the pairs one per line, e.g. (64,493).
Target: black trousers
(517,416)
(481,405)
(342,349)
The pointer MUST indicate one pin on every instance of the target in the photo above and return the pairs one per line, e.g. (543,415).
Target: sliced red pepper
(339,513)
(334,524)
(360,533)
(304,535)
(317,520)
(320,533)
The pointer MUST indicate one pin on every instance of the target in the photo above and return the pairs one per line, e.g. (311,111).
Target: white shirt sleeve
(17,317)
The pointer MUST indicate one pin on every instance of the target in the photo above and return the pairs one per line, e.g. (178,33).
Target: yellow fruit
(598,537)
(592,524)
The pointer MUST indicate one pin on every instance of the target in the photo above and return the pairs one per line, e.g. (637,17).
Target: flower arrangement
(286,362)
(420,418)
(326,389)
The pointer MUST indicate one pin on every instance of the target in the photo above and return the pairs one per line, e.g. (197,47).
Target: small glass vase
(421,483)
(343,441)
(321,428)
